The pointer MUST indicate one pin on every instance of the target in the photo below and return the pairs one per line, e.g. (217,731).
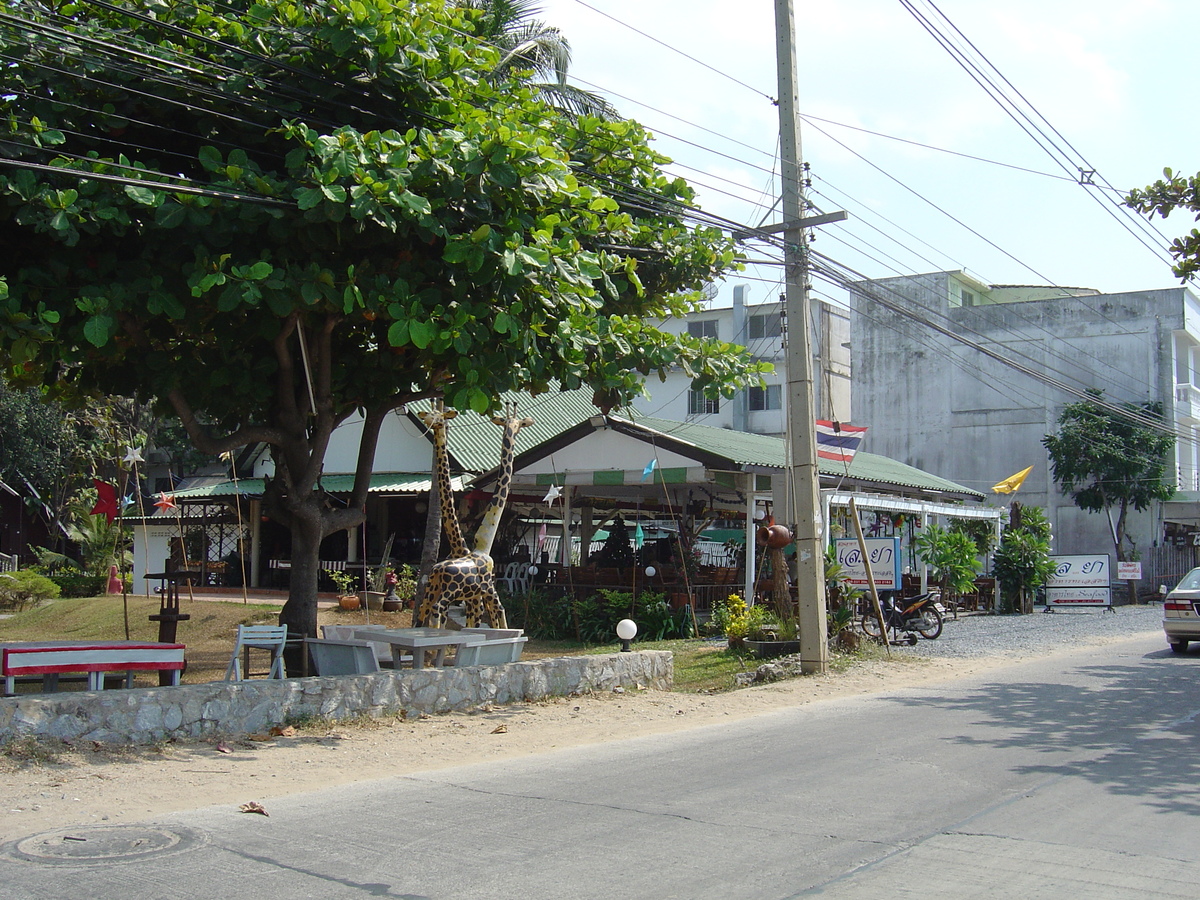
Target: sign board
(884,555)
(1079,581)
(1129,571)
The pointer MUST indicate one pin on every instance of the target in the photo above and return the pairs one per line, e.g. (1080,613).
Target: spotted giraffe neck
(441,468)
(485,534)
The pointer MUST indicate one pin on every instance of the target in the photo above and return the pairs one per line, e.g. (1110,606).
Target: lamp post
(626,631)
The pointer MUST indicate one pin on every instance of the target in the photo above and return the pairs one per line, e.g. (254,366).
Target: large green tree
(273,216)
(1112,459)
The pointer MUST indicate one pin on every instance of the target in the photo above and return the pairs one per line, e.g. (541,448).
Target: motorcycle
(921,615)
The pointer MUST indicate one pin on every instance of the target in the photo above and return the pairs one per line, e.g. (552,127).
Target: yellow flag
(1012,482)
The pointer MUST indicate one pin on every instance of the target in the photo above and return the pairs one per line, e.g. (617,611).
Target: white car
(1181,612)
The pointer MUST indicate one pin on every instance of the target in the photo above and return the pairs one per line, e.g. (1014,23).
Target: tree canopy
(1107,460)
(271,216)
(1163,197)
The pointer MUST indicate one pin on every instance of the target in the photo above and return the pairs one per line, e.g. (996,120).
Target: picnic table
(52,658)
(417,641)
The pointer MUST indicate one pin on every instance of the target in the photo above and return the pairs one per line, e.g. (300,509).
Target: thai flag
(837,441)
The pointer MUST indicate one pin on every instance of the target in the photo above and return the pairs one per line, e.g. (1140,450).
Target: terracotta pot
(349,601)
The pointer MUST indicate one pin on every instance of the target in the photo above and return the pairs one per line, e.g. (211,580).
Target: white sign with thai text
(1129,571)
(1079,581)
(884,556)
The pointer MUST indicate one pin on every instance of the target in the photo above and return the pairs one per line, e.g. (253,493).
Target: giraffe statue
(485,534)
(466,577)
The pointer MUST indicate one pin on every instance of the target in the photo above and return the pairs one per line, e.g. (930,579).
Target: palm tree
(530,46)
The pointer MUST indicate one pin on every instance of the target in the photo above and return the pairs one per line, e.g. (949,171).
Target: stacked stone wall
(220,708)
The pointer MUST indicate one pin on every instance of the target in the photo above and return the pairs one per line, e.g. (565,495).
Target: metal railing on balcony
(1187,402)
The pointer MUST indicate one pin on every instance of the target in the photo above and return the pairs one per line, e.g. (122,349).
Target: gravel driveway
(974,635)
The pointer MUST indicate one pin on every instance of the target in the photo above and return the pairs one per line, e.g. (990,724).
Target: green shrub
(593,619)
(25,588)
(74,583)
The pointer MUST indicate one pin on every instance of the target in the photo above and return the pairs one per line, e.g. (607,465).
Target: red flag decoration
(106,500)
(837,441)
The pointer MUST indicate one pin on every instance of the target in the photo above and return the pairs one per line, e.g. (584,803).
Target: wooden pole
(862,548)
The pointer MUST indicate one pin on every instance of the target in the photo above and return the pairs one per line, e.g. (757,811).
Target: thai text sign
(884,556)
(1079,581)
(1129,571)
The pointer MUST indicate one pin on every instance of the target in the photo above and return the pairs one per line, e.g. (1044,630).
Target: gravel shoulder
(77,785)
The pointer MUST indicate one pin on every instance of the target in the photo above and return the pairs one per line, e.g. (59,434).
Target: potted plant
(770,636)
(345,581)
(401,588)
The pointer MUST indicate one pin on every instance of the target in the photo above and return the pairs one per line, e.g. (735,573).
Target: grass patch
(700,665)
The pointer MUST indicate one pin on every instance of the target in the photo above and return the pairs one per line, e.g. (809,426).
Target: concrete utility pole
(803,489)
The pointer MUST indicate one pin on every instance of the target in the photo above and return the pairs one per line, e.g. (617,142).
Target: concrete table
(417,641)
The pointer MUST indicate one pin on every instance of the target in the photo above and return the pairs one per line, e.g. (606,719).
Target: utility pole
(803,486)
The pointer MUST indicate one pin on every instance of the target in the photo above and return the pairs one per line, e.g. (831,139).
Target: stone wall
(224,708)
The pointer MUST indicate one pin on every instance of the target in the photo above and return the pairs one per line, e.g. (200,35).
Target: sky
(1110,76)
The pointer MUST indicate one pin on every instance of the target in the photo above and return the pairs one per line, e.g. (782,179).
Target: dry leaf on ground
(253,807)
(500,729)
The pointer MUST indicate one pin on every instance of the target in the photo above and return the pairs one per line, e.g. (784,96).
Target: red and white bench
(52,658)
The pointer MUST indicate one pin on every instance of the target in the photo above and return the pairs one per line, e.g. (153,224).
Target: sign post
(1079,581)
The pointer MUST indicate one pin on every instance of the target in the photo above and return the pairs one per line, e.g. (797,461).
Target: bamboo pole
(862,548)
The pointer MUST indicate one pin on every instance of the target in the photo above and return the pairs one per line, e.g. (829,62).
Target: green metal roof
(474,440)
(771,452)
(381,483)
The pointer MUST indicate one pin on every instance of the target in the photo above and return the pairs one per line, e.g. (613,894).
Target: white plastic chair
(516,578)
(257,637)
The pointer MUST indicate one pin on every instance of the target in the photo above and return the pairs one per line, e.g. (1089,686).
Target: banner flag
(1012,482)
(837,441)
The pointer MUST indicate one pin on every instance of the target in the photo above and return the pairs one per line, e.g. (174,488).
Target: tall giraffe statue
(485,534)
(465,577)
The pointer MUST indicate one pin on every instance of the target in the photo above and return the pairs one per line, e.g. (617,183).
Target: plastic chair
(516,578)
(258,637)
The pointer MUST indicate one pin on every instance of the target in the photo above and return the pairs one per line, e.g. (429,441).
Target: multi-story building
(978,414)
(761,327)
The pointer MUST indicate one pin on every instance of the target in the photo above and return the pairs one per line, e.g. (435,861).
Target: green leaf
(481,233)
(535,256)
(98,329)
(170,215)
(398,333)
(260,270)
(502,322)
(142,195)
(421,333)
(307,198)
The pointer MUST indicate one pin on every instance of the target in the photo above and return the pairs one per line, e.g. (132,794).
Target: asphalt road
(1070,776)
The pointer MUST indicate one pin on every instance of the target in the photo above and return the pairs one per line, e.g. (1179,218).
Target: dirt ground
(44,789)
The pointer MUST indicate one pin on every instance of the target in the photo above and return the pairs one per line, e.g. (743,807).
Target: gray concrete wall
(228,708)
(946,408)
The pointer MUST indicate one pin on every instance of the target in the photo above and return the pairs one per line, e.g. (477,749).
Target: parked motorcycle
(911,616)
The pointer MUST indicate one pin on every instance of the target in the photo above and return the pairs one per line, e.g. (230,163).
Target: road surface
(1073,775)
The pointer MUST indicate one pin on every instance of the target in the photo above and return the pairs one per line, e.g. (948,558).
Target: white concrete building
(945,407)
(761,328)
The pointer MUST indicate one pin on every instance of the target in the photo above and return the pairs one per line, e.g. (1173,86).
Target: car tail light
(1176,606)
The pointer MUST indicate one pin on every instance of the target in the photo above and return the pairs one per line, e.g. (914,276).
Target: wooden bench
(52,658)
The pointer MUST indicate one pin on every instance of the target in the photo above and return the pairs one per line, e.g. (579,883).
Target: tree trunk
(299,614)
(1124,555)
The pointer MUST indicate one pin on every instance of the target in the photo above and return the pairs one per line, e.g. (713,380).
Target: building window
(704,328)
(769,397)
(699,405)
(764,325)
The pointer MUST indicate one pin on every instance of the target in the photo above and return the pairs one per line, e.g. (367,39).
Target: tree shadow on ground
(1133,730)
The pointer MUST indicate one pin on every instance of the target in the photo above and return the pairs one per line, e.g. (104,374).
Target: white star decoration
(133,455)
(553,494)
